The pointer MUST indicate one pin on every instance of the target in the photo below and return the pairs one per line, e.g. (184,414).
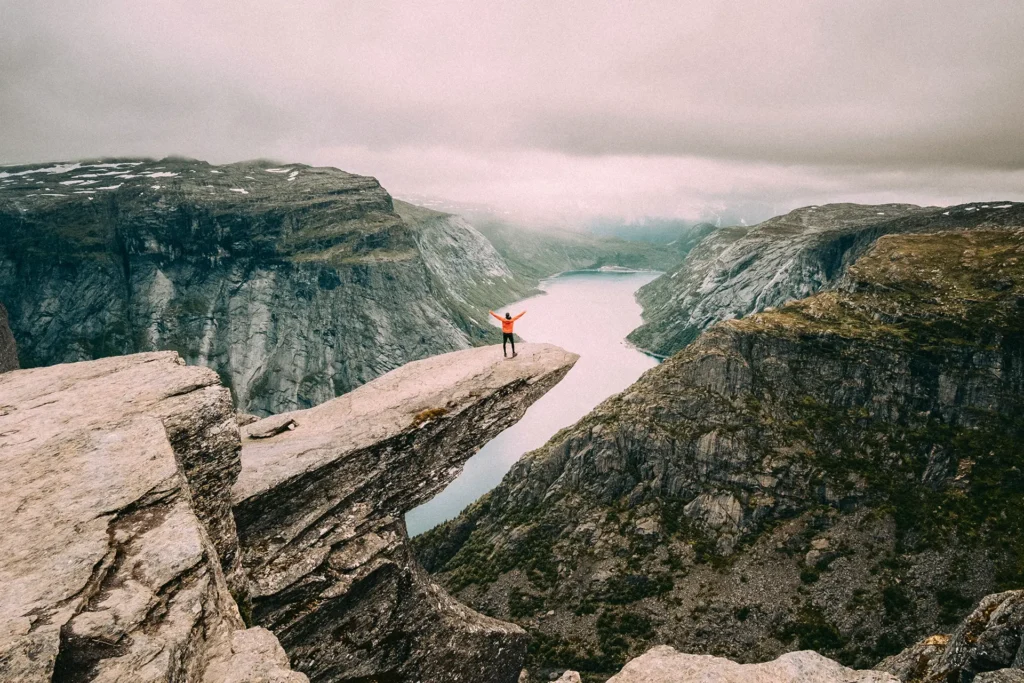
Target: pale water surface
(589,313)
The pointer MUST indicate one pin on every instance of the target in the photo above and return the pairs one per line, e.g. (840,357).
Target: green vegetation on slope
(843,474)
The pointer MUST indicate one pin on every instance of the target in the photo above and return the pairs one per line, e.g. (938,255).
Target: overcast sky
(570,109)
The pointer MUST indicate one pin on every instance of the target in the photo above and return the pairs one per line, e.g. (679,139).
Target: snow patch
(162,174)
(239,190)
(1003,206)
(58,168)
(110,187)
(277,170)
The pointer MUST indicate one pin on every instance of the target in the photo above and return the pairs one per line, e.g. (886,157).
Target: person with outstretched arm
(506,331)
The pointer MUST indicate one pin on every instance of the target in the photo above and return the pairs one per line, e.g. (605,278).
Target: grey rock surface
(740,270)
(119,555)
(8,349)
(664,665)
(296,284)
(319,508)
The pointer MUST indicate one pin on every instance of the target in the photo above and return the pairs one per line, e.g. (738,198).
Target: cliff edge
(320,506)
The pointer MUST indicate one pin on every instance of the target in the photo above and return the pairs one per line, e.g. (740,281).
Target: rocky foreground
(842,474)
(121,559)
(987,647)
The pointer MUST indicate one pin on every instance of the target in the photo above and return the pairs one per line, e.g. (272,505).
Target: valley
(837,474)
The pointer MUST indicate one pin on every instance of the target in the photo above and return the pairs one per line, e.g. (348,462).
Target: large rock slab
(320,502)
(664,665)
(8,349)
(119,548)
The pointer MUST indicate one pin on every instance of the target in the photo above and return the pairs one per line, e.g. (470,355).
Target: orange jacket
(506,323)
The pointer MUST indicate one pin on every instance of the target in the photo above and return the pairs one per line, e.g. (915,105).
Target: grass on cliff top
(946,288)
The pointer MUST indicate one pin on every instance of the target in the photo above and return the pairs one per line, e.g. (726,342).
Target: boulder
(320,503)
(119,553)
(663,664)
(990,639)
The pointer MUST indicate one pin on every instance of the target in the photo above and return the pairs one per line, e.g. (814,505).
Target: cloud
(663,107)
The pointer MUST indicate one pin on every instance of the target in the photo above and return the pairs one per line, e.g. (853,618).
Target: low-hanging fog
(568,111)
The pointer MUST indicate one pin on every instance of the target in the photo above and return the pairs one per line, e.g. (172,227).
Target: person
(506,331)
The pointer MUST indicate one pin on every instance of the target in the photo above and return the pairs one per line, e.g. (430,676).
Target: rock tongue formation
(842,474)
(296,284)
(120,559)
(320,503)
(119,548)
(740,270)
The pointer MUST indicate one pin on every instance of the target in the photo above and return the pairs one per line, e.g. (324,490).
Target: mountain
(841,474)
(664,231)
(542,253)
(294,283)
(740,270)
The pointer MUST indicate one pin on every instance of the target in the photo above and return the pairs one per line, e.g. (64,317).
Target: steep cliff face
(842,474)
(119,556)
(740,270)
(320,504)
(475,277)
(8,349)
(295,284)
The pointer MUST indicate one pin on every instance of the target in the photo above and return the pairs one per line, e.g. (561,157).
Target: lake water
(589,313)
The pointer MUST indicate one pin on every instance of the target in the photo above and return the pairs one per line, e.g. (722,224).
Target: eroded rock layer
(119,553)
(320,503)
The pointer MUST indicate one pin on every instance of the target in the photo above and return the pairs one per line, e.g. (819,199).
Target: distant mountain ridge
(740,270)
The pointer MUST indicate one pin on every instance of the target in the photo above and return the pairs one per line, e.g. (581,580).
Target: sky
(541,110)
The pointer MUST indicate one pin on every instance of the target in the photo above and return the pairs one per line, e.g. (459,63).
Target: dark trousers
(507,337)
